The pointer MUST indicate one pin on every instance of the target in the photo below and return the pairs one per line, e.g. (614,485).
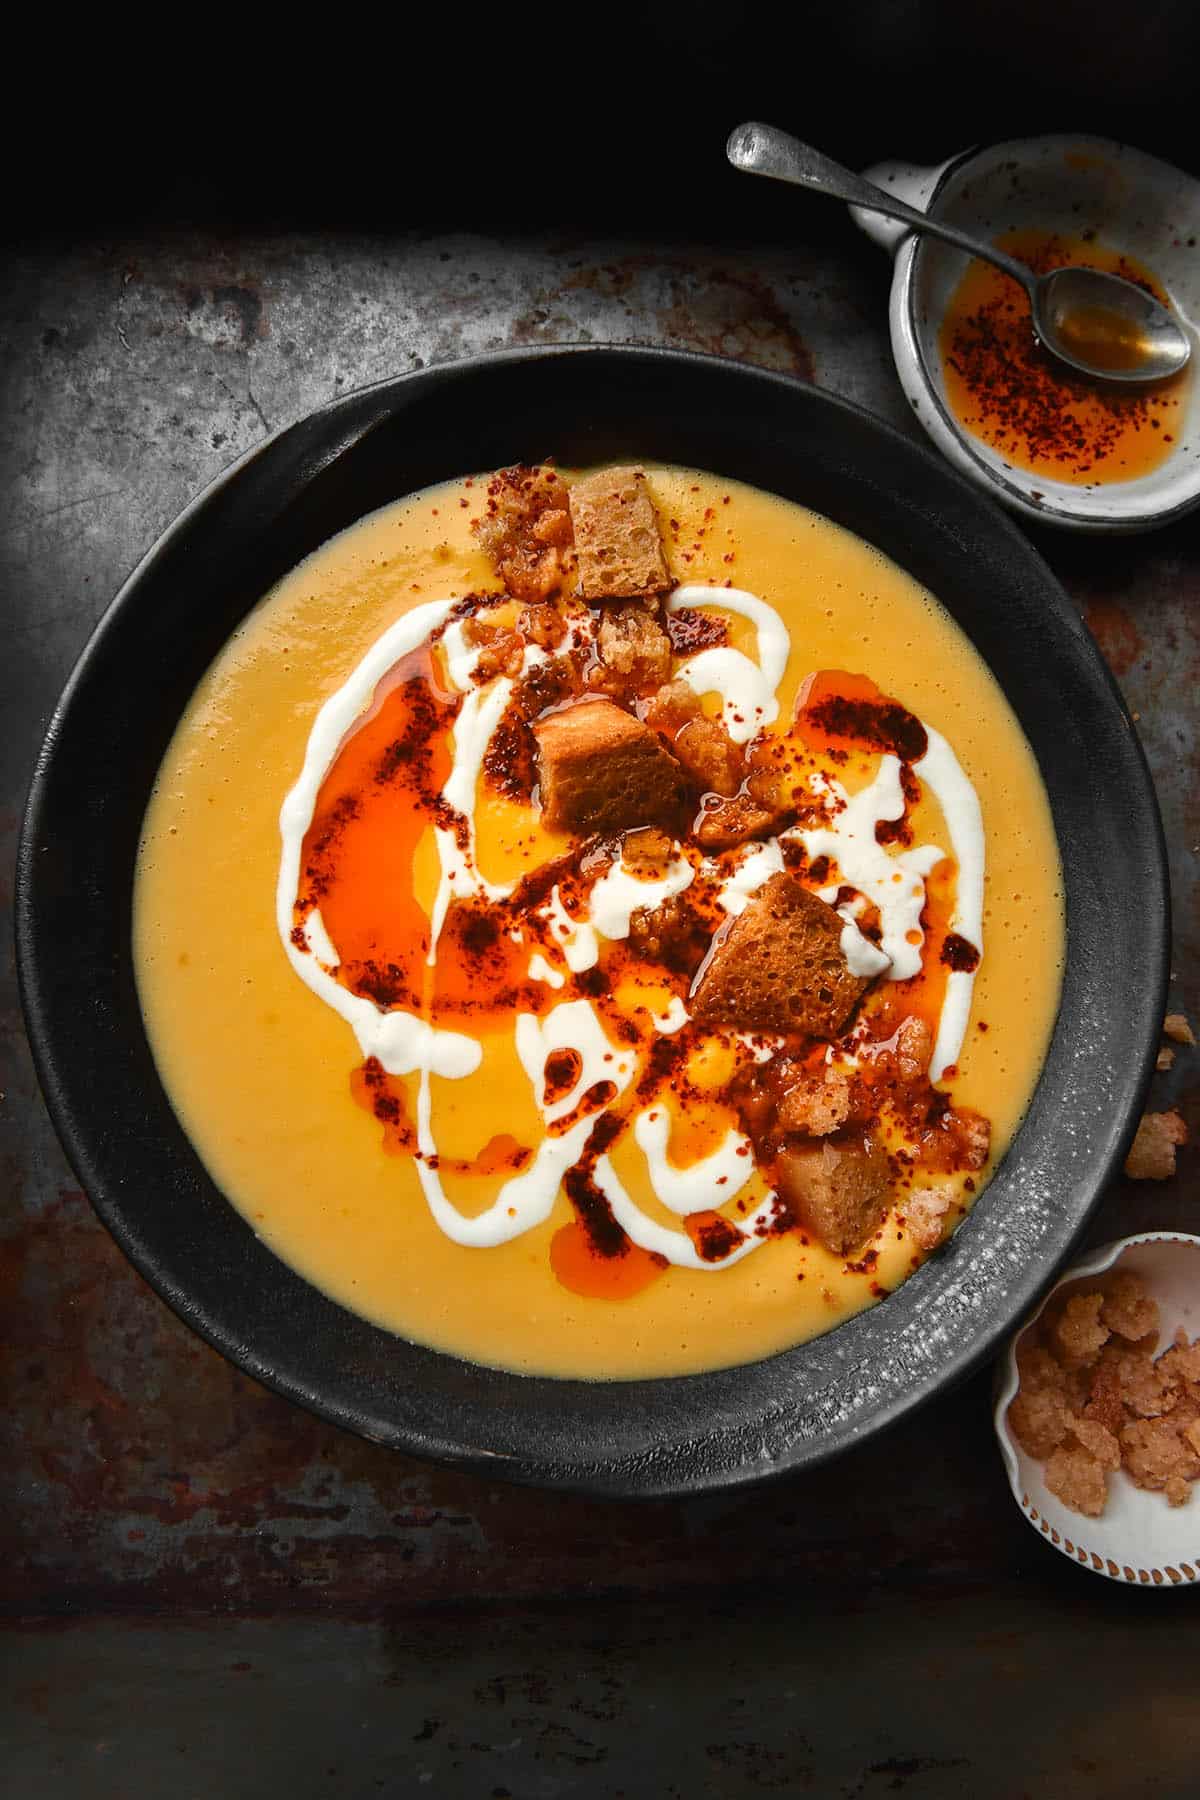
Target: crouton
(1152,1155)
(925,1211)
(634,652)
(672,934)
(957,1139)
(617,541)
(723,823)
(817,1103)
(526,530)
(779,967)
(839,1192)
(710,756)
(602,770)
(1176,1027)
(501,648)
(542,625)
(671,707)
(647,852)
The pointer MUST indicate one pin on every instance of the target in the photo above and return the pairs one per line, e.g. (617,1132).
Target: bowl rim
(744,1454)
(1098,1261)
(954,440)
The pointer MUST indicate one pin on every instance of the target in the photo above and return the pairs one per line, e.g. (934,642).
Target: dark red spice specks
(959,955)
(690,630)
(885,724)
(715,1239)
(384,983)
(590,1101)
(605,1236)
(562,1071)
(410,755)
(899,831)
(318,870)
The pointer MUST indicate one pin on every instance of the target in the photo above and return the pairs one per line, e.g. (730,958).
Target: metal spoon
(1098,323)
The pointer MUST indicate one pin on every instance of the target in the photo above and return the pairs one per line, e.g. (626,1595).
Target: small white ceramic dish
(1070,185)
(1139,1538)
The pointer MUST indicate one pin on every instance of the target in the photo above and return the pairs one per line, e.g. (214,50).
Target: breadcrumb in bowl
(1137,1537)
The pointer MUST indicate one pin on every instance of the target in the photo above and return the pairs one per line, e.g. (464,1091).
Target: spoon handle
(764,150)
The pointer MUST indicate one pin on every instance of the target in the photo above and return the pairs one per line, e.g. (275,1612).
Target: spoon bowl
(1105,325)
(1098,323)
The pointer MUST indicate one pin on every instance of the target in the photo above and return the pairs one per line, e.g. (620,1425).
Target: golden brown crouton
(672,934)
(710,756)
(602,770)
(925,1212)
(839,1192)
(526,530)
(1152,1155)
(723,823)
(671,707)
(647,851)
(634,652)
(617,539)
(817,1103)
(542,625)
(501,648)
(780,967)
(1176,1027)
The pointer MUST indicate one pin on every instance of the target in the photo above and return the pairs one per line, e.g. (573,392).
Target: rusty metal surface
(701,1702)
(142,1475)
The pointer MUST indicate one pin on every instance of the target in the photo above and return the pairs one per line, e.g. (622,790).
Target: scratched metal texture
(142,1476)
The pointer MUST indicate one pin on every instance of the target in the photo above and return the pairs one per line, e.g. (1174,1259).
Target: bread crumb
(1128,1309)
(1164,1060)
(1094,1399)
(1078,1336)
(1152,1155)
(1176,1027)
(1038,1420)
(1079,1481)
(925,1212)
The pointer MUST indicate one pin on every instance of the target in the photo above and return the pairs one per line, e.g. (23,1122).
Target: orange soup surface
(603,987)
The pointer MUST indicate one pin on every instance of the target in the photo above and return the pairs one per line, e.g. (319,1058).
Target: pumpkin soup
(601,924)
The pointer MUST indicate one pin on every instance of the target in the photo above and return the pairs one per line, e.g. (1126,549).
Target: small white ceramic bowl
(1071,185)
(1139,1538)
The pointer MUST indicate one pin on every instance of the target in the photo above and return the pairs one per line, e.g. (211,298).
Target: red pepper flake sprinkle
(1034,412)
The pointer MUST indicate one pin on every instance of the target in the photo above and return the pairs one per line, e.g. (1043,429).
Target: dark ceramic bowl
(582,405)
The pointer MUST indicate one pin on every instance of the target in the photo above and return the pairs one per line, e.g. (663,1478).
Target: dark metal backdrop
(205,1587)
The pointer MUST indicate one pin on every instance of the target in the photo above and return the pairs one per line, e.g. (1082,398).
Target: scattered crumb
(1163,1060)
(1152,1155)
(1176,1027)
(1093,1398)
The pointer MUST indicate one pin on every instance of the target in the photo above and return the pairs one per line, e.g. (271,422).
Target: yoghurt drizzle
(893,880)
